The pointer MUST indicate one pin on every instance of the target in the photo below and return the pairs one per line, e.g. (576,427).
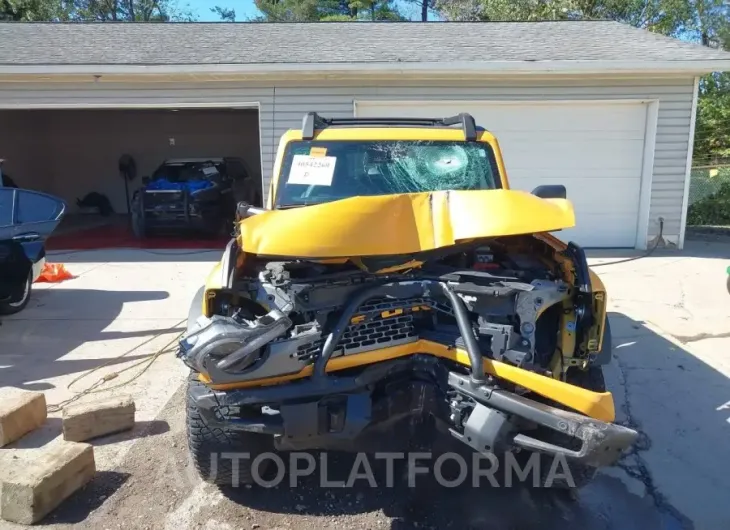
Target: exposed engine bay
(505,299)
(278,317)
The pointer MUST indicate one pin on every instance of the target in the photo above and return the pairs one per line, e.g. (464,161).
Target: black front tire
(591,378)
(207,444)
(17,304)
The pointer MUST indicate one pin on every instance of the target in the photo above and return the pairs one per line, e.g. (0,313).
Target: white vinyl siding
(283,104)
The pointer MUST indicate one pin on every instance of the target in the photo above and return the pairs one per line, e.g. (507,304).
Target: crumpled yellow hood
(400,224)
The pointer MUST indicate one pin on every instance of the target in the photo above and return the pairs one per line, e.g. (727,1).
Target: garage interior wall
(70,153)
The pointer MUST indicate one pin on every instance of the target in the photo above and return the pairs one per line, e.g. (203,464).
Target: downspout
(688,164)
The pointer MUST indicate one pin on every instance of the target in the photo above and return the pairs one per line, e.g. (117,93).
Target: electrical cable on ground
(634,258)
(94,388)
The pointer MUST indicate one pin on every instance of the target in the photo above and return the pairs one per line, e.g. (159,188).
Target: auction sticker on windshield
(312,170)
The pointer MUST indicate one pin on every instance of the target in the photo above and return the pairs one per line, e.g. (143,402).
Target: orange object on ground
(54,272)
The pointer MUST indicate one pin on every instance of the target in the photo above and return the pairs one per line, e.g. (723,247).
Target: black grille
(377,334)
(375,331)
(307,352)
(157,199)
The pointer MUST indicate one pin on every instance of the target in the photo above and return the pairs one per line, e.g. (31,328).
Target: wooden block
(21,411)
(84,421)
(33,482)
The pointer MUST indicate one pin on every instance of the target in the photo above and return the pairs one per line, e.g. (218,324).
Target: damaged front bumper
(366,411)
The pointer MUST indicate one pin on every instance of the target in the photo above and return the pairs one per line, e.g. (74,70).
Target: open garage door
(71,153)
(595,149)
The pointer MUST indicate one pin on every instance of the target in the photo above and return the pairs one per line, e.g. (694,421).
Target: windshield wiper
(296,204)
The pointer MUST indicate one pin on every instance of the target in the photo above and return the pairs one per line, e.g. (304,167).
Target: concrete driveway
(127,303)
(670,314)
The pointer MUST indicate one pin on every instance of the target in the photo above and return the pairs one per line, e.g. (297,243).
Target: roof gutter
(470,68)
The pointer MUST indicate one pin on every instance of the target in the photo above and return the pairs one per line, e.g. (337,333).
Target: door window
(7,196)
(34,207)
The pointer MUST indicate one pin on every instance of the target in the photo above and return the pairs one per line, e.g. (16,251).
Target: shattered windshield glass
(313,172)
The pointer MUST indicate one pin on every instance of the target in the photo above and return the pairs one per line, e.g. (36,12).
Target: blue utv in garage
(191,194)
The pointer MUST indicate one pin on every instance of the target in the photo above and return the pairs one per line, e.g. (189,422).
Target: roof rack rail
(313,121)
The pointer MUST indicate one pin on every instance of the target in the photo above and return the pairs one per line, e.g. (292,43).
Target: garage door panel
(548,117)
(519,156)
(598,229)
(574,135)
(597,195)
(540,122)
(557,175)
(595,149)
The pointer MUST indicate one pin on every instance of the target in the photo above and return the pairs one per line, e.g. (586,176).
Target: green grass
(709,197)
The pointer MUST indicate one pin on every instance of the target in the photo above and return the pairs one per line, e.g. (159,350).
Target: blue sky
(245,9)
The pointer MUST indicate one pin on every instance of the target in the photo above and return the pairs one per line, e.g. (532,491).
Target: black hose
(467,332)
(342,324)
(645,255)
(416,288)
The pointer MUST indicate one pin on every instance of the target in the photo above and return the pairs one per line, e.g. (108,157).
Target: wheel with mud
(208,444)
(590,379)
(18,302)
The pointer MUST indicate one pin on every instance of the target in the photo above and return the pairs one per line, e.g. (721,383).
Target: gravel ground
(157,488)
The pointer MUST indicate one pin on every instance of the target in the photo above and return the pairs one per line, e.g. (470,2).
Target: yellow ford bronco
(394,274)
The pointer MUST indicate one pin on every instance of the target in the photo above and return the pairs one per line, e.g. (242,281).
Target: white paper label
(312,170)
(209,170)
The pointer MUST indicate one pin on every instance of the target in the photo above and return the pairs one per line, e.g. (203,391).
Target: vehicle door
(28,218)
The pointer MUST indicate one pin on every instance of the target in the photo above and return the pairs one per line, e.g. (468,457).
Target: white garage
(603,108)
(601,152)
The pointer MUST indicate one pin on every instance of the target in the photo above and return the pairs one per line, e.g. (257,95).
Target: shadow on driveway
(692,249)
(135,255)
(681,405)
(33,341)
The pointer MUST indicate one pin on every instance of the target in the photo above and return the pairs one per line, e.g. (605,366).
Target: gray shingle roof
(249,43)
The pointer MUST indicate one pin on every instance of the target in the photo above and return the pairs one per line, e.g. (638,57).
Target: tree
(326,10)
(130,11)
(703,21)
(712,130)
(425,7)
(708,22)
(33,10)
(656,15)
(226,14)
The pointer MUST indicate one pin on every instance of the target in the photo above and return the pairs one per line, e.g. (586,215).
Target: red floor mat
(122,237)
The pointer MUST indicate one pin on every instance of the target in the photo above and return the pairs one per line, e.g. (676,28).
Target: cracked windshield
(315,172)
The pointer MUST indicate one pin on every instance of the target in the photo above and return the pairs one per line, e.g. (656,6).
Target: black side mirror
(145,180)
(550,191)
(244,210)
